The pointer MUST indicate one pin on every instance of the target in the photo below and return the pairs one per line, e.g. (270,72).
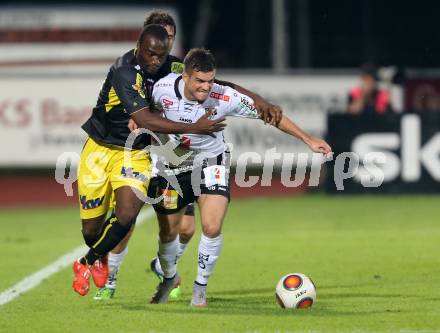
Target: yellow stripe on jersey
(113,100)
(139,85)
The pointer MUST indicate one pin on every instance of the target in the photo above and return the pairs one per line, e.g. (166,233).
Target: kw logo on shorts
(91,203)
(169,200)
(129,173)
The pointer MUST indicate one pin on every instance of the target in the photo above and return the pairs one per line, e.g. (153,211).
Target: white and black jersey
(212,175)
(222,101)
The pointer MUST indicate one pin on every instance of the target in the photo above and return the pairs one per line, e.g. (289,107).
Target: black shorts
(189,210)
(215,175)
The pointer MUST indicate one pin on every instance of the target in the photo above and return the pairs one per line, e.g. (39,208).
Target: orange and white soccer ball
(295,291)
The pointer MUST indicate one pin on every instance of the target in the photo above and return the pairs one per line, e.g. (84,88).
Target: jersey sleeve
(128,87)
(241,105)
(156,97)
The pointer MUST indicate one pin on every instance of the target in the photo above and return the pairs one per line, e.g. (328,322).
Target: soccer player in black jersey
(117,255)
(272,115)
(125,94)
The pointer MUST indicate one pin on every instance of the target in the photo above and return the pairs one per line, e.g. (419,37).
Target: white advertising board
(42,109)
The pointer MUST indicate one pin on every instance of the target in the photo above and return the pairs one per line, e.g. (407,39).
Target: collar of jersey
(179,85)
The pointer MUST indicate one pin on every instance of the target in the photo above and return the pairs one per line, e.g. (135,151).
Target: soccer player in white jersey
(272,115)
(204,176)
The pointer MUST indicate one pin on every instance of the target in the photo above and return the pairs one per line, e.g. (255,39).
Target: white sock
(180,252)
(114,262)
(157,265)
(168,257)
(209,251)
(182,248)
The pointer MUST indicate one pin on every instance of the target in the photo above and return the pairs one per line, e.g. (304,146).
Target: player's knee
(91,229)
(168,234)
(126,217)
(186,232)
(212,230)
(185,237)
(90,235)
(166,238)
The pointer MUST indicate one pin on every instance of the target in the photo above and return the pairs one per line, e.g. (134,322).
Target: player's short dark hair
(155,31)
(160,17)
(200,60)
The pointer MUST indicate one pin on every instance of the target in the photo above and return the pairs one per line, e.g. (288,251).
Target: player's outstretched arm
(316,145)
(269,112)
(153,121)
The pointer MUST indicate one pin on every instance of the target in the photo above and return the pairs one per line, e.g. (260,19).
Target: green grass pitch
(375,261)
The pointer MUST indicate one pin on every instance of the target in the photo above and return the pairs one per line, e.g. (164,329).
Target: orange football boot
(100,272)
(81,282)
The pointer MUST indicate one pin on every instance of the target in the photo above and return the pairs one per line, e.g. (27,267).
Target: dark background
(341,33)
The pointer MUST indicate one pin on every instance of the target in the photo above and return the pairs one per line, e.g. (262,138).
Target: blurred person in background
(369,98)
(424,98)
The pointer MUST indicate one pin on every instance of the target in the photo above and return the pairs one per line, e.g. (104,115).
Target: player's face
(171,36)
(198,84)
(151,54)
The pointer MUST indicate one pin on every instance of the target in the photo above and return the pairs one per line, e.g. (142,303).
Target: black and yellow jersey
(126,90)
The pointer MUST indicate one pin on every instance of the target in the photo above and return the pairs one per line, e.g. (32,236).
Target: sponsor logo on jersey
(185,142)
(167,103)
(212,110)
(177,67)
(219,96)
(185,120)
(164,85)
(170,198)
(246,104)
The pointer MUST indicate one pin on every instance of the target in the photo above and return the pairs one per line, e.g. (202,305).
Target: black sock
(112,233)
(90,240)
(89,258)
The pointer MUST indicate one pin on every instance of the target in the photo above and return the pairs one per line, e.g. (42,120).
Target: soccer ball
(295,291)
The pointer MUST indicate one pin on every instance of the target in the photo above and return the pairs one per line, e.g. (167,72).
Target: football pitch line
(35,279)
